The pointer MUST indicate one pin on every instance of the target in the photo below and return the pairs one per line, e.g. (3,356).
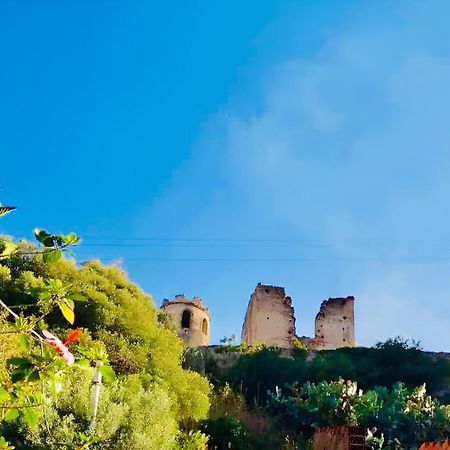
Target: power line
(411,260)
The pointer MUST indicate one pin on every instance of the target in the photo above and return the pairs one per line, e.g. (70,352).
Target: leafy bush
(193,440)
(225,433)
(152,395)
(259,370)
(403,415)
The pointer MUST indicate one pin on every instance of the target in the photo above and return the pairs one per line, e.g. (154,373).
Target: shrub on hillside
(152,395)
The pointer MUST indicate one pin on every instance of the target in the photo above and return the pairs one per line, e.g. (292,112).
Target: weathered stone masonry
(190,318)
(335,325)
(269,320)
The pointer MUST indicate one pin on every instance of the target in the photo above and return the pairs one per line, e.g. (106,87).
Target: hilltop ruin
(269,320)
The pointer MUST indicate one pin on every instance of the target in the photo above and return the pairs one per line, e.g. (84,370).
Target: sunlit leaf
(11,415)
(51,256)
(25,343)
(4,444)
(77,297)
(3,395)
(108,373)
(30,417)
(71,239)
(67,312)
(83,362)
(43,237)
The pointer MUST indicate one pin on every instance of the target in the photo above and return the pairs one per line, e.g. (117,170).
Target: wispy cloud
(352,147)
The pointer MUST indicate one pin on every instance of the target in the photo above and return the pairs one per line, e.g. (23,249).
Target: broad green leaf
(19,362)
(11,415)
(71,239)
(77,297)
(51,256)
(55,385)
(34,376)
(4,396)
(67,312)
(108,373)
(43,237)
(30,417)
(25,343)
(83,362)
(18,375)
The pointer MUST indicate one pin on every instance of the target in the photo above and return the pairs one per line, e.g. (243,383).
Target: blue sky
(213,145)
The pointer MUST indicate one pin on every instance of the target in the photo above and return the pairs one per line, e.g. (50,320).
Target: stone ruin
(190,319)
(269,320)
(335,325)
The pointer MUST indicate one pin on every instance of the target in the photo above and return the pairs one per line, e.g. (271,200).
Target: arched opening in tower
(186,319)
(205,326)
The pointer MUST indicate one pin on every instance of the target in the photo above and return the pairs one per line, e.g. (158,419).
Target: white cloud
(354,144)
(352,147)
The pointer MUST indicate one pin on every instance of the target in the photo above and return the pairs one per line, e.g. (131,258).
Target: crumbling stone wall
(190,318)
(335,325)
(269,318)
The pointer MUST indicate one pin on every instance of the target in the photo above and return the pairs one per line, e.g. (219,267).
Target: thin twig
(34,333)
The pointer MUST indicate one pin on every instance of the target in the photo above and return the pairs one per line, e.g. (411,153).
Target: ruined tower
(190,318)
(269,318)
(335,325)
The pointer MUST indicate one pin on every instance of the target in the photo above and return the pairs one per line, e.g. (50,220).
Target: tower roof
(180,298)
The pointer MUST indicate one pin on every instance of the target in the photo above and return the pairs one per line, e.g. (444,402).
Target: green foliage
(146,394)
(299,347)
(405,416)
(261,370)
(193,440)
(4,444)
(226,433)
(385,364)
(120,315)
(130,415)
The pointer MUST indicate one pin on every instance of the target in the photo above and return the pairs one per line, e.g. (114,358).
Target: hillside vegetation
(150,403)
(74,334)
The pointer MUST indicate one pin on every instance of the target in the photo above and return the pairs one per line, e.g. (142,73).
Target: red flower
(61,347)
(72,337)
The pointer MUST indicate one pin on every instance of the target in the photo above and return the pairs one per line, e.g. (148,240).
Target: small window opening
(343,340)
(186,319)
(267,318)
(345,317)
(289,332)
(205,326)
